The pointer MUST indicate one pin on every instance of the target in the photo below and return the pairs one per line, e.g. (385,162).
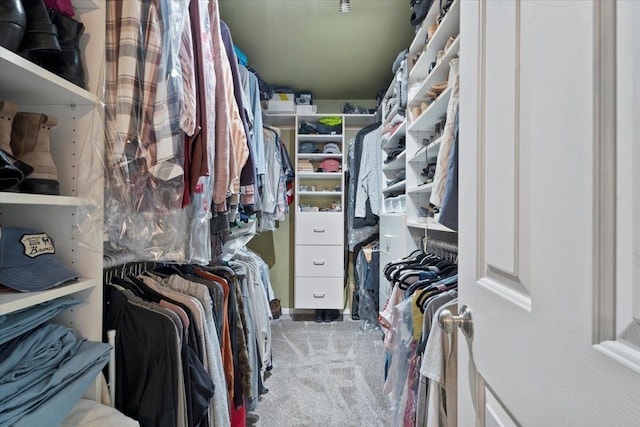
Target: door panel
(501,109)
(530,217)
(495,413)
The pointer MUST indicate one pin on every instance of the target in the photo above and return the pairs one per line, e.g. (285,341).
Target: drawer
(319,292)
(319,228)
(319,261)
(392,235)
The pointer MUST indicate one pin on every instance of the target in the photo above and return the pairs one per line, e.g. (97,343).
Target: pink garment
(63,6)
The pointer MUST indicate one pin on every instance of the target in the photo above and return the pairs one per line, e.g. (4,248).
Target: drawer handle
(318,262)
(318,230)
(318,295)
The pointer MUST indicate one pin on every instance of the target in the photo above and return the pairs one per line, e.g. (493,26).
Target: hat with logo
(330,165)
(308,147)
(28,261)
(331,148)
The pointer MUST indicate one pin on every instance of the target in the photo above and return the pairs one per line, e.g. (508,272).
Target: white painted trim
(508,294)
(620,352)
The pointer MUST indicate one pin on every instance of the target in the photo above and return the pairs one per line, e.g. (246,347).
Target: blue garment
(55,408)
(64,383)
(22,321)
(449,210)
(250,79)
(26,359)
(423,275)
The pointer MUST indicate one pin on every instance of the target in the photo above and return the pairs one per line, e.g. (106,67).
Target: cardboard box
(282,103)
(276,106)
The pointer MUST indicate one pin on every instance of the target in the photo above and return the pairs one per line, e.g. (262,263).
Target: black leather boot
(331,315)
(68,62)
(13,21)
(41,34)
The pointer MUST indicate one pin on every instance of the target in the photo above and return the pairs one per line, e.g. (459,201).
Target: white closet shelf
(434,111)
(320,193)
(436,226)
(395,187)
(319,175)
(26,83)
(424,188)
(420,38)
(319,156)
(388,117)
(392,142)
(320,138)
(449,27)
(13,301)
(396,164)
(438,74)
(432,150)
(46,200)
(416,224)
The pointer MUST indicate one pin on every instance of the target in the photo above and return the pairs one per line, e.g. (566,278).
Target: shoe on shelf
(67,63)
(12,172)
(30,143)
(40,34)
(13,21)
(320,316)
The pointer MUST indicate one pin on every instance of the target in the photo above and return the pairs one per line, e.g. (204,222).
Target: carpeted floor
(327,374)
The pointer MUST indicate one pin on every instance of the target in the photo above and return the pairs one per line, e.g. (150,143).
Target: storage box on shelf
(73,141)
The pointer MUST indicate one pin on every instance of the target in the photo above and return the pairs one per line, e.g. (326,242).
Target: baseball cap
(331,148)
(330,165)
(28,262)
(308,147)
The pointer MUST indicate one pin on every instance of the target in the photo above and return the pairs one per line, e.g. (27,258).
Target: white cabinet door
(540,268)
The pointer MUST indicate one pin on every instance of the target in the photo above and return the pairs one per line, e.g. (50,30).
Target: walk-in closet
(319,213)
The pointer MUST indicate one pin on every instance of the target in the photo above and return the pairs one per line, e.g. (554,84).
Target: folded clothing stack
(44,368)
(305,166)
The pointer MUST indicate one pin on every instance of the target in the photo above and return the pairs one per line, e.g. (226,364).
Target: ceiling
(309,45)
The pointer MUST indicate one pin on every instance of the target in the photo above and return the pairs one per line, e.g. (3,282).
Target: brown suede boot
(30,143)
(8,111)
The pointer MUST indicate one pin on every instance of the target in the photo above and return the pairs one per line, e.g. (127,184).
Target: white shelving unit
(319,236)
(424,127)
(77,134)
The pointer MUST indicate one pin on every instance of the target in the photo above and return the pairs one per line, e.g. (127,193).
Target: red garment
(62,6)
(238,416)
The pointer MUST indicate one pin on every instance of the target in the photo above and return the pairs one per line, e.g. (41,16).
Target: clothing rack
(444,250)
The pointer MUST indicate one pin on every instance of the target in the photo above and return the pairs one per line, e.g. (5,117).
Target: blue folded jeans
(47,363)
(22,321)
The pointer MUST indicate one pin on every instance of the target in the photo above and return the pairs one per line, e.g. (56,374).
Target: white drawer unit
(321,228)
(319,292)
(319,261)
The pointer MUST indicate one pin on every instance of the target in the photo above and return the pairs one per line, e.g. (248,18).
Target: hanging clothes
(449,135)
